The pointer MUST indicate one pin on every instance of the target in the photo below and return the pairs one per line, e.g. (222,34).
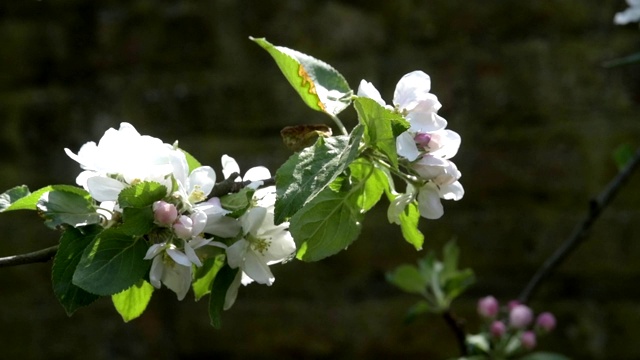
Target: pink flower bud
(164,213)
(546,321)
(422,139)
(528,339)
(512,304)
(520,316)
(183,227)
(488,307)
(498,328)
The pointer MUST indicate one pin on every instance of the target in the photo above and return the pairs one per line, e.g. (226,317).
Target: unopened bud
(164,213)
(546,321)
(183,227)
(488,307)
(422,139)
(520,316)
(498,328)
(528,339)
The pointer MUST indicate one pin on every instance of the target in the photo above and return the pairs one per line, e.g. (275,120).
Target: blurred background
(521,81)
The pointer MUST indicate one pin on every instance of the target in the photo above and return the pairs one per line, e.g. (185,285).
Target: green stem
(343,129)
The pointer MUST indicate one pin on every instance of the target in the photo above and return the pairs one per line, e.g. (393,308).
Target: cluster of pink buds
(515,324)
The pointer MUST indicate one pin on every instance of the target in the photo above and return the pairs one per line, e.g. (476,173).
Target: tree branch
(581,230)
(224,187)
(42,255)
(457,328)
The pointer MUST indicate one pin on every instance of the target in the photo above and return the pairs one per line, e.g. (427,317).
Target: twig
(581,230)
(228,185)
(42,255)
(457,328)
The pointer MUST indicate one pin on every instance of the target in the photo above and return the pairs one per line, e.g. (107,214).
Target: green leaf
(319,85)
(305,174)
(137,221)
(419,308)
(626,60)
(65,207)
(191,161)
(622,155)
(382,127)
(239,202)
(326,225)
(409,219)
(19,198)
(408,278)
(450,255)
(544,356)
(457,283)
(205,275)
(112,262)
(141,194)
(375,183)
(132,302)
(72,244)
(12,195)
(219,288)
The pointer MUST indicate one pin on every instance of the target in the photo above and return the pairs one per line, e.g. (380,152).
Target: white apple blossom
(629,15)
(263,244)
(121,158)
(263,197)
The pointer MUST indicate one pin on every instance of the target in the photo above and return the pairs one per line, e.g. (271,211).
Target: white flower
(217,222)
(429,196)
(264,197)
(120,158)
(262,244)
(631,14)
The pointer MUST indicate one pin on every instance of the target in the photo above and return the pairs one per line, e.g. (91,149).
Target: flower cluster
(427,146)
(186,220)
(631,14)
(510,331)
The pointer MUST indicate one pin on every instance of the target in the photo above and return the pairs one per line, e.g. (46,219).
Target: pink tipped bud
(183,227)
(528,339)
(520,316)
(488,307)
(546,321)
(422,139)
(498,328)
(164,213)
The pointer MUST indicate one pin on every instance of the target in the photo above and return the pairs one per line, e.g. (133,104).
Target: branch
(457,328)
(224,187)
(42,255)
(581,230)
(230,185)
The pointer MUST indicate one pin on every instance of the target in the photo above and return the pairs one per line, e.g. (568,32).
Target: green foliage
(12,195)
(305,174)
(409,219)
(72,244)
(375,183)
(20,198)
(544,356)
(112,262)
(219,287)
(319,85)
(132,302)
(204,276)
(326,225)
(67,207)
(438,282)
(382,127)
(238,203)
(137,221)
(141,194)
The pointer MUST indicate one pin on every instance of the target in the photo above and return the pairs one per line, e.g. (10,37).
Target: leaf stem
(339,123)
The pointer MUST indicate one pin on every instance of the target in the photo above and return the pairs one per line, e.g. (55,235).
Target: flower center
(258,244)
(197,195)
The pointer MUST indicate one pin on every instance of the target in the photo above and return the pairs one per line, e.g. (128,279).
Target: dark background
(521,81)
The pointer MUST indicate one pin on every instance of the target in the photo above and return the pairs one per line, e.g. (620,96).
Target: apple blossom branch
(580,232)
(228,185)
(457,326)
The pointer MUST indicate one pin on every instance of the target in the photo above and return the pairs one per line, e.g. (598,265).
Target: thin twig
(581,230)
(457,328)
(224,187)
(42,255)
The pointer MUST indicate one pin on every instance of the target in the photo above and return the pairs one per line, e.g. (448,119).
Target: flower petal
(229,166)
(406,146)
(429,202)
(366,89)
(104,188)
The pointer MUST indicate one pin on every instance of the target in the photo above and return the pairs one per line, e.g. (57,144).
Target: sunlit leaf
(132,302)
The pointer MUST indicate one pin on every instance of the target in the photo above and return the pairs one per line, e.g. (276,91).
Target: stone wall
(521,81)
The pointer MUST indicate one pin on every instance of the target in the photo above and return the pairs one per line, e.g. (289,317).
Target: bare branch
(42,255)
(230,185)
(458,329)
(581,230)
